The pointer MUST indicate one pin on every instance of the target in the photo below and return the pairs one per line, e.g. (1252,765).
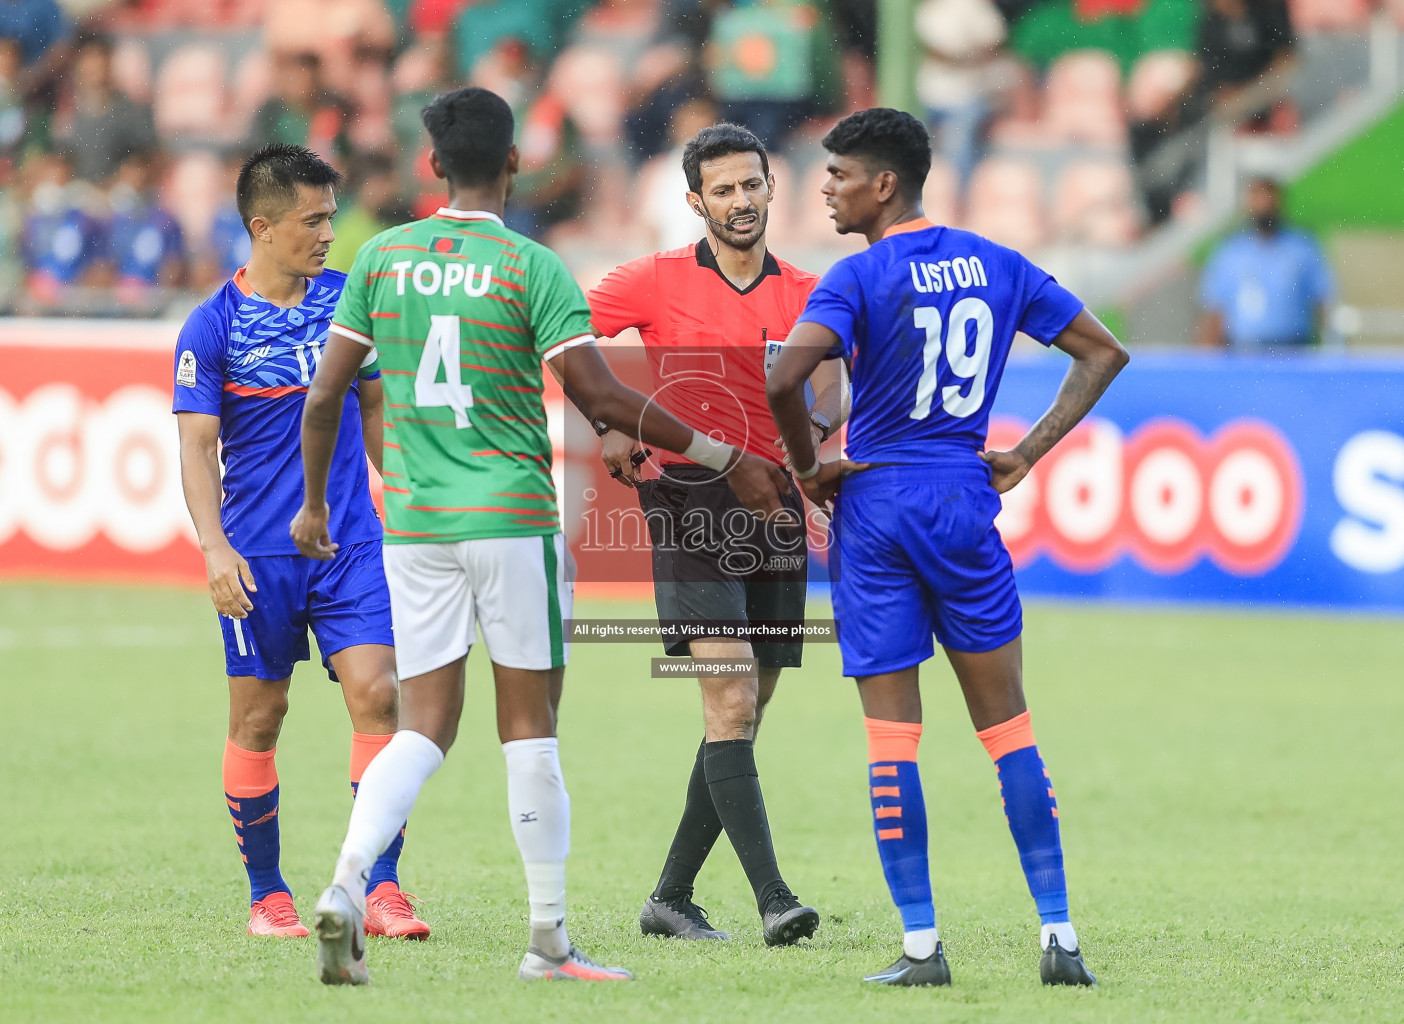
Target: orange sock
(364,747)
(251,793)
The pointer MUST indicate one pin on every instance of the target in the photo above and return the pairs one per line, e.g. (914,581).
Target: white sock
(540,810)
(1067,936)
(920,944)
(384,799)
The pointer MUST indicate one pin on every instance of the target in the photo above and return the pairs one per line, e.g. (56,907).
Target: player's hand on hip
(310,533)
(816,438)
(1006,469)
(821,488)
(229,577)
(617,451)
(758,484)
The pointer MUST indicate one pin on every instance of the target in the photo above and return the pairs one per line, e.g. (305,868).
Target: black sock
(736,794)
(697,832)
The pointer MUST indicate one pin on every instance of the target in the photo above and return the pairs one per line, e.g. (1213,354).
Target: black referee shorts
(720,571)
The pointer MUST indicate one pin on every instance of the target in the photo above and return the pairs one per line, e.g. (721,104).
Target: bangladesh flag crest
(444,244)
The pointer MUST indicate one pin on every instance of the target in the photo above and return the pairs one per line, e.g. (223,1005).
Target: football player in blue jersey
(925,317)
(244,360)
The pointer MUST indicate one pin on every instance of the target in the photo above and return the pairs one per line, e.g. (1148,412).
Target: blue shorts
(915,553)
(345,601)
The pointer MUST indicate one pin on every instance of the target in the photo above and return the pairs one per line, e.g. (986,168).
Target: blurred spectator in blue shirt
(226,248)
(146,243)
(37,24)
(1266,288)
(65,244)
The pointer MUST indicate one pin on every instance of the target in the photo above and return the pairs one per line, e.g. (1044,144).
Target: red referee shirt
(706,339)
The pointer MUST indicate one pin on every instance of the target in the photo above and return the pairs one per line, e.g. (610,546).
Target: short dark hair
(268,180)
(718,141)
(885,140)
(472,129)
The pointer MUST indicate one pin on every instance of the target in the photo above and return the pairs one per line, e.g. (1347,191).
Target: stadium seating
(1082,99)
(131,68)
(194,192)
(940,198)
(190,100)
(590,81)
(1155,80)
(1005,202)
(1094,204)
(1330,15)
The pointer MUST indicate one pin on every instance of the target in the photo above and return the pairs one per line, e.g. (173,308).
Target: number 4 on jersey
(972,366)
(441,350)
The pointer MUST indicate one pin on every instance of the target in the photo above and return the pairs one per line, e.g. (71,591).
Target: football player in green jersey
(463,312)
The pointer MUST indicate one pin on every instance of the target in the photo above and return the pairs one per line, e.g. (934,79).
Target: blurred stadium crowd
(1070,122)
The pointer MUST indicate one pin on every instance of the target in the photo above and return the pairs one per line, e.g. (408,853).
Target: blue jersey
(143,239)
(64,244)
(247,361)
(926,317)
(229,241)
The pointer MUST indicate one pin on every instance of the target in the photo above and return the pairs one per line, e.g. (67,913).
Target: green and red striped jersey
(462,312)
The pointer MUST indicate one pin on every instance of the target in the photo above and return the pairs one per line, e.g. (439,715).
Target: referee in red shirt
(712,316)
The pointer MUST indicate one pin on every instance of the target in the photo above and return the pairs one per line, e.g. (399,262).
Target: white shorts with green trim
(517,590)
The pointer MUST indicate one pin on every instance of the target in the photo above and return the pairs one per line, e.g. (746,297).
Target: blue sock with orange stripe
(899,820)
(364,747)
(251,792)
(1032,811)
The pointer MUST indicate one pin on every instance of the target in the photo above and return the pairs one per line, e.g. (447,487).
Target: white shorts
(517,589)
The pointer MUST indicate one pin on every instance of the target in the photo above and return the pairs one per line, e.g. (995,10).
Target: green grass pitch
(1229,786)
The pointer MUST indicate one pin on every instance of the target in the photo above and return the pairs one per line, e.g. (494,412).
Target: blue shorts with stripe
(344,601)
(914,555)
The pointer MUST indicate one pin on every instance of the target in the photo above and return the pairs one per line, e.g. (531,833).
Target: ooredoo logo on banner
(1165,496)
(72,467)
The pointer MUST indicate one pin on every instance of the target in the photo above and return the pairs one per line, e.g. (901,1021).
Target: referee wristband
(709,452)
(812,471)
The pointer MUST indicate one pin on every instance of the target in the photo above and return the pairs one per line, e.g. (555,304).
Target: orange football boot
(388,912)
(275,915)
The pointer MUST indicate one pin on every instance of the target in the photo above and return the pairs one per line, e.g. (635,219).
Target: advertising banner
(1276,482)
(1272,481)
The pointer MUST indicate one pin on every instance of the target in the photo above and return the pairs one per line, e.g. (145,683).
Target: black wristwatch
(601,427)
(822,422)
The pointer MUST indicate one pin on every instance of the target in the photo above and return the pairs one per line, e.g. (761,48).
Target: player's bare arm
(830,405)
(229,577)
(321,422)
(1097,358)
(800,357)
(616,447)
(371,394)
(757,483)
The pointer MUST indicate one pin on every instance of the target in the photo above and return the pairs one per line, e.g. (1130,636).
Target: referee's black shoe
(677,918)
(787,920)
(1059,967)
(906,971)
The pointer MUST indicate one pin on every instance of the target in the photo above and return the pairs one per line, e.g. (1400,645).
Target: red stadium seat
(194,192)
(131,68)
(190,99)
(1082,99)
(1094,204)
(814,227)
(1330,15)
(590,81)
(253,84)
(1155,80)
(1005,203)
(940,198)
